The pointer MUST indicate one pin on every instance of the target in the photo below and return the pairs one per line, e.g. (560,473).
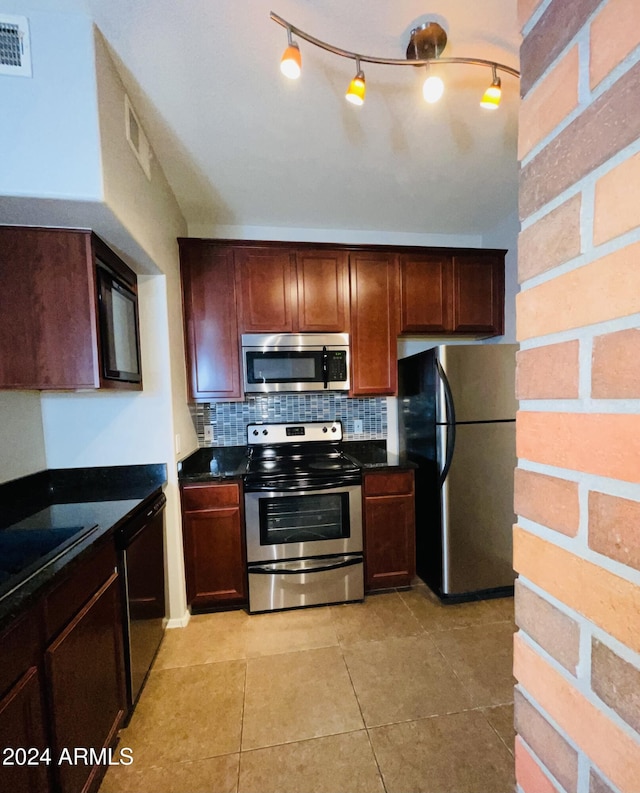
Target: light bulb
(356,90)
(492,96)
(291,63)
(432,89)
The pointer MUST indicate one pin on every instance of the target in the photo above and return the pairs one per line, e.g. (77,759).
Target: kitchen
(62,430)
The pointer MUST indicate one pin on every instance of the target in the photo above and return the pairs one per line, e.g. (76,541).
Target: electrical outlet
(358,429)
(208,432)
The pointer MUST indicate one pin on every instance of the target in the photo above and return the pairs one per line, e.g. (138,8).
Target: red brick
(548,372)
(609,746)
(613,528)
(550,35)
(548,103)
(597,784)
(603,129)
(615,32)
(552,749)
(604,289)
(605,444)
(614,370)
(529,776)
(549,627)
(617,209)
(608,600)
(548,500)
(553,240)
(616,682)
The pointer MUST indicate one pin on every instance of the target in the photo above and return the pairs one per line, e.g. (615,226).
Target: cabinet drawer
(207,496)
(76,589)
(388,484)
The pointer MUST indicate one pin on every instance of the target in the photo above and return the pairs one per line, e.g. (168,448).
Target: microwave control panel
(337,366)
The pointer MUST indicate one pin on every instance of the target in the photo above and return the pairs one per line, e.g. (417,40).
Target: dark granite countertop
(229,462)
(50,519)
(374,455)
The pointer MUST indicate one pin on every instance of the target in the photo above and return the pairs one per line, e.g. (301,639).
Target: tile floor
(395,694)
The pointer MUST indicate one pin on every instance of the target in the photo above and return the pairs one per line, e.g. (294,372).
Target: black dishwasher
(141,559)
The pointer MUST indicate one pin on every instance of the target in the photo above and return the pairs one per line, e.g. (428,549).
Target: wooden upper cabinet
(211,331)
(426,299)
(452,292)
(374,323)
(323,291)
(478,289)
(266,289)
(49,328)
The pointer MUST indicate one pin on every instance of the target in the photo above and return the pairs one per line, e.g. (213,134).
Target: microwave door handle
(325,367)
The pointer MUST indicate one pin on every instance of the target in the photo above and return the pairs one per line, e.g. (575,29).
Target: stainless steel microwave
(275,362)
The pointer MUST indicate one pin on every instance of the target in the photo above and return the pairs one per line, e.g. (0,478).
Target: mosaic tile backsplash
(229,419)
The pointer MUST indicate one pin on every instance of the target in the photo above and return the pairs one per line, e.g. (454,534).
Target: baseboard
(179,622)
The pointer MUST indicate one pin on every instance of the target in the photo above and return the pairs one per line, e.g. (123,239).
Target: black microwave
(274,362)
(119,329)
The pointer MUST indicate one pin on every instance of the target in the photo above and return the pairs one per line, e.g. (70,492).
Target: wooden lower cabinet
(23,723)
(389,529)
(214,548)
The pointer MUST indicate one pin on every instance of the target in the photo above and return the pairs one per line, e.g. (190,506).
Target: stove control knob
(334,428)
(255,432)
(265,432)
(324,429)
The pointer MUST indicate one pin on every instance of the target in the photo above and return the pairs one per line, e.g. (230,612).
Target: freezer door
(477,509)
(482,380)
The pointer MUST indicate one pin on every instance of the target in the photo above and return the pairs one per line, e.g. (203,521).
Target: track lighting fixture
(425,47)
(357,87)
(493,94)
(291,62)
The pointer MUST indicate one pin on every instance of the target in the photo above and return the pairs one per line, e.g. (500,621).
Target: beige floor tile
(295,696)
(288,631)
(401,679)
(459,753)
(188,713)
(214,775)
(322,765)
(433,615)
(482,658)
(207,638)
(379,617)
(501,719)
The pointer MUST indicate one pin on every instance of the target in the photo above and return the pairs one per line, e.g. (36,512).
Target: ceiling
(243,146)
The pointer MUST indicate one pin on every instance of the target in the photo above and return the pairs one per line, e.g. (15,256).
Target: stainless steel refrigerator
(456,412)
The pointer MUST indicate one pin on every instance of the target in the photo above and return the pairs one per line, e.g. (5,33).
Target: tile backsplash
(229,419)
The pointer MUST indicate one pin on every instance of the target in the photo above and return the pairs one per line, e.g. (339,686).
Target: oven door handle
(294,568)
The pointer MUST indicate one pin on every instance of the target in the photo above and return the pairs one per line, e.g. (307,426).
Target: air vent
(15,52)
(136,137)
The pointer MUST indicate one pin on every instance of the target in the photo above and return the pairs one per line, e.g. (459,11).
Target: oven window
(304,518)
(284,367)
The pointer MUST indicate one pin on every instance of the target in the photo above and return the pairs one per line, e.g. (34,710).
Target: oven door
(300,524)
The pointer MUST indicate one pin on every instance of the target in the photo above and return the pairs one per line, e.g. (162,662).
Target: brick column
(577,492)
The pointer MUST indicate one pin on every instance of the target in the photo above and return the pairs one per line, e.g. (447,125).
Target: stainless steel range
(303,516)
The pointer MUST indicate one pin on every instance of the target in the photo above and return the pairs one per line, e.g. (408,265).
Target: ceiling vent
(136,137)
(15,52)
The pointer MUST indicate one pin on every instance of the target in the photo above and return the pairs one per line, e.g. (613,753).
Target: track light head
(357,87)
(492,96)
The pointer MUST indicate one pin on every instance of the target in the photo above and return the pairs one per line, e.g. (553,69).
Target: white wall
(49,134)
(21,435)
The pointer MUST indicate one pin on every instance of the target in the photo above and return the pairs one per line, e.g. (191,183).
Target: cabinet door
(426,293)
(85,670)
(265,285)
(323,289)
(48,328)
(211,331)
(389,520)
(478,287)
(374,323)
(215,559)
(22,726)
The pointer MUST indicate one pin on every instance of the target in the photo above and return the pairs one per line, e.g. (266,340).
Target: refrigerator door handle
(450,413)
